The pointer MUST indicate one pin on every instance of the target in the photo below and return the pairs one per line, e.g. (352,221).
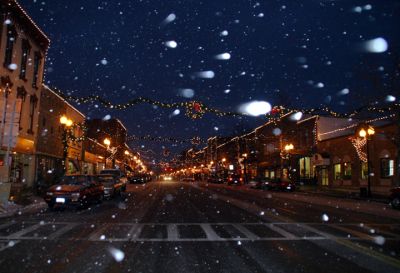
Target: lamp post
(66,123)
(245,167)
(367,133)
(289,147)
(106,142)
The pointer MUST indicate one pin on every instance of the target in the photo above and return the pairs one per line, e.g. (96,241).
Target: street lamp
(65,123)
(107,142)
(245,167)
(367,133)
(288,147)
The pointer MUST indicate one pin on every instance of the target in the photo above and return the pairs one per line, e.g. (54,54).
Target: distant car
(118,174)
(234,179)
(167,178)
(395,198)
(75,190)
(257,183)
(113,185)
(281,184)
(215,179)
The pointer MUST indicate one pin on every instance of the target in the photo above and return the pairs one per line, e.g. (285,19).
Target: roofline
(66,102)
(36,27)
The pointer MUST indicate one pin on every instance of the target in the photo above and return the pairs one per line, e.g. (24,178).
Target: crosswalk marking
(172,231)
(133,232)
(62,230)
(210,233)
(24,231)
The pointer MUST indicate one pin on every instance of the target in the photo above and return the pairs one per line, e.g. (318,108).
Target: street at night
(186,136)
(199,227)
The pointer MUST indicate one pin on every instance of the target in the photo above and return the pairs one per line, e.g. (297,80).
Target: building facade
(23,48)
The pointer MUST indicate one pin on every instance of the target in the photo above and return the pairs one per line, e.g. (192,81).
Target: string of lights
(193,140)
(196,109)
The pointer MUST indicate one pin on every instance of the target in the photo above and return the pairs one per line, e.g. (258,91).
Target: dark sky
(296,53)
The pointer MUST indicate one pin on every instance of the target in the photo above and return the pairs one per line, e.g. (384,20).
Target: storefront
(320,165)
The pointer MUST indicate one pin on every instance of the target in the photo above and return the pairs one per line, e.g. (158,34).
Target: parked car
(282,184)
(120,175)
(258,183)
(395,198)
(234,179)
(75,190)
(215,179)
(113,186)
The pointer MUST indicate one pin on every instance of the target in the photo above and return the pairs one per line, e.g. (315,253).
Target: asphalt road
(183,227)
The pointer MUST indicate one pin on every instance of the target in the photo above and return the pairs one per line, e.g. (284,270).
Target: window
(32,106)
(364,170)
(36,65)
(11,36)
(24,58)
(337,171)
(347,170)
(266,173)
(43,122)
(306,171)
(21,94)
(387,167)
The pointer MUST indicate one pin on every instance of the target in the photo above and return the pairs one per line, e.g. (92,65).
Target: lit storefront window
(347,170)
(306,170)
(387,167)
(364,170)
(337,171)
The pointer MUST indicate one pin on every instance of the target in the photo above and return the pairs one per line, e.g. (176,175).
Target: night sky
(295,53)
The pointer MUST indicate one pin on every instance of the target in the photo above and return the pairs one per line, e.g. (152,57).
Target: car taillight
(230,179)
(241,179)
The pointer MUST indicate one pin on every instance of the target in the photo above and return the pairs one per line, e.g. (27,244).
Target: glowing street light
(366,133)
(107,142)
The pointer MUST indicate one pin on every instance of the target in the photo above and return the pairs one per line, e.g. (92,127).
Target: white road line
(96,235)
(281,231)
(246,232)
(20,233)
(172,231)
(135,231)
(210,233)
(61,231)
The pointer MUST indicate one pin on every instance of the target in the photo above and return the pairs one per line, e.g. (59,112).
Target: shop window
(337,171)
(272,174)
(306,171)
(266,173)
(347,170)
(387,167)
(364,170)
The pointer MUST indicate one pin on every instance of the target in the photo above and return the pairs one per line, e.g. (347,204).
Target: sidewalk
(362,205)
(341,193)
(10,208)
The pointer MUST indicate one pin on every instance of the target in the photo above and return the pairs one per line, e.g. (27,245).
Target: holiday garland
(196,109)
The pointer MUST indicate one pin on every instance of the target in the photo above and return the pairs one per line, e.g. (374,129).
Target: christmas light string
(193,140)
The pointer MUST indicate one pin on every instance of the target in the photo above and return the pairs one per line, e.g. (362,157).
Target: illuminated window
(364,170)
(387,167)
(305,168)
(347,170)
(11,36)
(337,171)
